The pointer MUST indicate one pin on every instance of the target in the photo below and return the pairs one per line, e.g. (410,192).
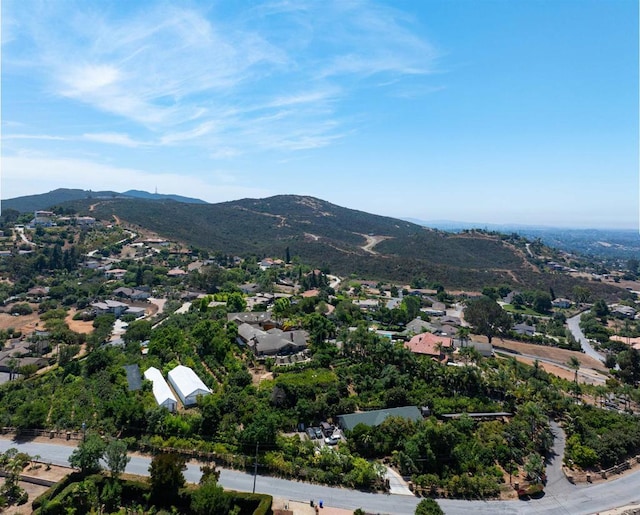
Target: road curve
(574,326)
(560,499)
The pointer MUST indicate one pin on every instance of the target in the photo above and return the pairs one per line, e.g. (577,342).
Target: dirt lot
(24,323)
(560,356)
(78,326)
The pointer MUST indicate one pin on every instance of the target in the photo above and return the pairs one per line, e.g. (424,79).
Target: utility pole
(255,469)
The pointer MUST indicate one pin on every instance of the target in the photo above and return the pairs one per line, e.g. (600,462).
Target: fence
(43,433)
(588,477)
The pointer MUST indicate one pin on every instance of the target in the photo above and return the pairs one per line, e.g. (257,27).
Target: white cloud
(196,132)
(89,78)
(46,137)
(114,139)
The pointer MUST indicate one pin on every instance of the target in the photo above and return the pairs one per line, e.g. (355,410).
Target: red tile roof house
(429,344)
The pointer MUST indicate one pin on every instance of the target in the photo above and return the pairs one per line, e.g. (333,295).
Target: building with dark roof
(377,417)
(134,377)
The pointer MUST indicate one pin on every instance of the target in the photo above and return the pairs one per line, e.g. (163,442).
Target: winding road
(561,496)
(574,326)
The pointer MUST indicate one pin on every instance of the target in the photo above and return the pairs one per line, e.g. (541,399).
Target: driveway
(573,324)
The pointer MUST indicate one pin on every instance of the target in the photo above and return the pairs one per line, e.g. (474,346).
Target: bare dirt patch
(24,323)
(78,326)
(550,368)
(372,241)
(551,353)
(259,374)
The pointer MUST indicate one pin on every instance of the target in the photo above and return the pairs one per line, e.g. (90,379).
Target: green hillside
(325,235)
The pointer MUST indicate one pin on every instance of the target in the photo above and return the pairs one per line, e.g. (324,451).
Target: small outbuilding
(161,391)
(187,385)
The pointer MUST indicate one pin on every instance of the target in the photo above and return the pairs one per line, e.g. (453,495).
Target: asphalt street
(561,496)
(574,326)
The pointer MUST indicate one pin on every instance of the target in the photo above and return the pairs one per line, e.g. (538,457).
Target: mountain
(160,196)
(348,242)
(45,201)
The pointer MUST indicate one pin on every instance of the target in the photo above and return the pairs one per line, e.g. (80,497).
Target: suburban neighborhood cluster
(132,342)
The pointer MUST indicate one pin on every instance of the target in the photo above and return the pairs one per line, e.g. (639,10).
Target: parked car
(318,432)
(331,440)
(311,433)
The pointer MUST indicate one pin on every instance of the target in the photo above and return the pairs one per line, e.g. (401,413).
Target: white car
(332,440)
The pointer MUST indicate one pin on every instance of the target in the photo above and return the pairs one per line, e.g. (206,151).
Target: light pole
(84,431)
(255,469)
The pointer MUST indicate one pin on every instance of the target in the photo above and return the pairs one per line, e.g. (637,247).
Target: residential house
(622,311)
(524,329)
(261,318)
(561,303)
(417,325)
(367,304)
(272,342)
(37,293)
(115,273)
(110,307)
(432,312)
(451,320)
(428,344)
(131,293)
(485,349)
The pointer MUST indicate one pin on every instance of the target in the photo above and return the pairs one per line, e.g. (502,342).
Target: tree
(463,335)
(210,498)
(534,467)
(86,456)
(574,364)
(600,309)
(581,294)
(428,507)
(281,308)
(487,317)
(629,363)
(116,457)
(166,476)
(541,302)
(236,302)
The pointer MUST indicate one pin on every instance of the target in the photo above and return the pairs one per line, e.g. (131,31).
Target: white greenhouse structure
(187,385)
(161,391)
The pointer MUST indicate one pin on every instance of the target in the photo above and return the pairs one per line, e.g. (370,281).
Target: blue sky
(486,111)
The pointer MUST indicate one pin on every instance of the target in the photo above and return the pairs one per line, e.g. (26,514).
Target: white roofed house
(187,385)
(161,391)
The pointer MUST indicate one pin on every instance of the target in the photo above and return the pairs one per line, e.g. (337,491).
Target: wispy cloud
(201,75)
(114,139)
(45,137)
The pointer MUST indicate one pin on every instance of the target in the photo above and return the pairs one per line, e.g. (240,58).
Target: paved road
(574,326)
(560,499)
(557,483)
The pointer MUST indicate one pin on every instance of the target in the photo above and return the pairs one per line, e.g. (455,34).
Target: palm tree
(574,364)
(463,335)
(600,393)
